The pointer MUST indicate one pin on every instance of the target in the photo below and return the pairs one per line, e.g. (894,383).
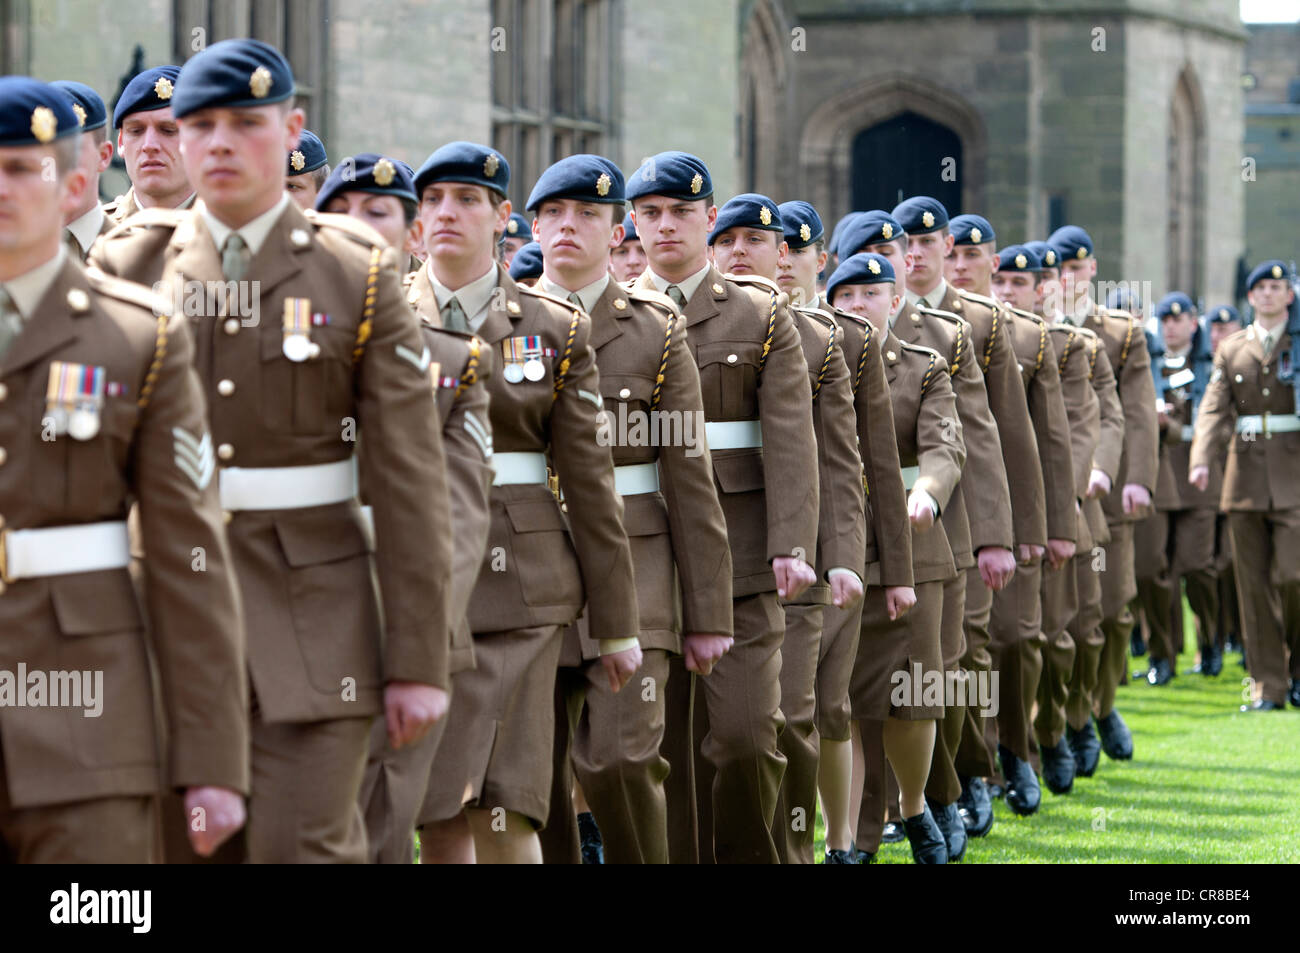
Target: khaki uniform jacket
(121,208)
(888,531)
(1173,492)
(1082,412)
(728,320)
(540,569)
(152,418)
(314,640)
(930,437)
(1262,467)
(841,521)
(1042,379)
(106,226)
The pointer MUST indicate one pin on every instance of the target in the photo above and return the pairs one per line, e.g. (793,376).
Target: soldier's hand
(1199,477)
(410,709)
(846,589)
(1098,484)
(793,576)
(898,599)
(216,812)
(919,511)
(997,566)
(703,649)
(1028,553)
(1136,497)
(620,666)
(1059,552)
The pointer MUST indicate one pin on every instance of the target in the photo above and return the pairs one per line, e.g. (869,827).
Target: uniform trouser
(1085,631)
(610,741)
(736,729)
(1060,598)
(1016,626)
(1229,619)
(944,786)
(974,758)
(841,629)
(1266,547)
(392,791)
(796,807)
(1169,546)
(1118,589)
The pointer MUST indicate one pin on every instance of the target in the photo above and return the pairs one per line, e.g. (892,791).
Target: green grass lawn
(1207,784)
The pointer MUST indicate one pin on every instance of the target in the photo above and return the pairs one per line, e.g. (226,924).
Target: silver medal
(534,370)
(83,423)
(297,347)
(513,373)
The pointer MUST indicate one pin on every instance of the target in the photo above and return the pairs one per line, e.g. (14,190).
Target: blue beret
(517,227)
(1273,268)
(33,113)
(147,91)
(1174,303)
(369,172)
(803,225)
(1124,298)
(1019,258)
(93,115)
(1046,254)
(466,162)
(585,177)
(838,231)
(1070,241)
(676,175)
(866,268)
(971,229)
(233,74)
(920,214)
(629,229)
(308,157)
(869,228)
(527,262)
(1223,314)
(748,210)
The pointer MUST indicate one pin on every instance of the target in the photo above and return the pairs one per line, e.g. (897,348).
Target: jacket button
(625,393)
(231,326)
(4,391)
(225,451)
(225,387)
(227,516)
(1264,391)
(4,455)
(1265,368)
(732,358)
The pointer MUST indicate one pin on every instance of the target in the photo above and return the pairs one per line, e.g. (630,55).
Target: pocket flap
(310,539)
(644,517)
(739,471)
(535,516)
(91,603)
(730,353)
(626,387)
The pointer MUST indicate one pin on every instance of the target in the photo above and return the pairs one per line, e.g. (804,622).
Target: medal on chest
(298,322)
(74,399)
(523,358)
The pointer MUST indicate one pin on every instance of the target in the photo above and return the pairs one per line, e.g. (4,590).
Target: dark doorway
(904,156)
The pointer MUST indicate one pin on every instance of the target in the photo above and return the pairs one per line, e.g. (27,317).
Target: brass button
(227,516)
(625,393)
(231,326)
(916,318)
(4,455)
(732,358)
(1265,368)
(1238,378)
(225,387)
(225,451)
(4,391)
(1264,392)
(891,355)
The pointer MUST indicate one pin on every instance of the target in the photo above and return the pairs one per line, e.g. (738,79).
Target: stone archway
(764,91)
(1185,232)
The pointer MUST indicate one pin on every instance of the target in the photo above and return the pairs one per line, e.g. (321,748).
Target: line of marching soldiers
(368,535)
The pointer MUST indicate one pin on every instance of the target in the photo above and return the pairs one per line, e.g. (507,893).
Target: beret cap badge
(887,231)
(1050,258)
(163,88)
(81,113)
(296,160)
(1223,314)
(1082,252)
(44,124)
(1175,308)
(259,84)
(976,235)
(874,266)
(764,215)
(805,232)
(602,185)
(697,183)
(512,227)
(1277,271)
(927,219)
(1021,261)
(490,165)
(384,172)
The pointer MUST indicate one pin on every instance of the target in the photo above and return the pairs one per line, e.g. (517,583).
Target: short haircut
(318,176)
(67,154)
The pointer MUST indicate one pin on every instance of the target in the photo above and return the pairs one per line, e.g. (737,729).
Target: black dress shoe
(1263,704)
(927,841)
(1023,792)
(1293,696)
(840,857)
(1137,646)
(1086,748)
(863,856)
(1211,663)
(954,830)
(1058,766)
(975,807)
(893,833)
(593,848)
(1116,739)
(1160,673)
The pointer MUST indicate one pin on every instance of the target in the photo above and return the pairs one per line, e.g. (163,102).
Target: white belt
(1268,423)
(1189,431)
(636,478)
(910,476)
(27,553)
(288,488)
(733,434)
(516,468)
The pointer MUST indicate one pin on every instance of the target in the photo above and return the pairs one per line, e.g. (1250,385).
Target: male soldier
(381,192)
(761,439)
(671,513)
(1252,392)
(490,785)
(518,234)
(1131,365)
(977,520)
(148,140)
(627,258)
(526,267)
(888,537)
(748,239)
(306,170)
(106,411)
(1176,542)
(288,400)
(87,221)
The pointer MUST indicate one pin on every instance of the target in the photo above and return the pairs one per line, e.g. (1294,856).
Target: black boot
(1116,739)
(1023,792)
(1086,748)
(975,806)
(593,848)
(954,830)
(927,841)
(1058,766)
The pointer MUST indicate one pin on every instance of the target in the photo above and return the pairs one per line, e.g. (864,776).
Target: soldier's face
(673,232)
(970,267)
(459,222)
(1047,296)
(150,145)
(383,213)
(575,236)
(928,252)
(1220,330)
(34,200)
(897,253)
(1076,279)
(1177,330)
(512,245)
(235,157)
(302,189)
(627,260)
(1270,297)
(748,251)
(873,302)
(1016,288)
(798,269)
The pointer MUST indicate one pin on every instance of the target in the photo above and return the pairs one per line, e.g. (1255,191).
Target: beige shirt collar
(254,233)
(588,295)
(86,228)
(687,286)
(474,297)
(27,290)
(931,300)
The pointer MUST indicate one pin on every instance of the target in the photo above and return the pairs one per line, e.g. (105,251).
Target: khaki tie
(11,322)
(453,317)
(676,294)
(575,300)
(235,258)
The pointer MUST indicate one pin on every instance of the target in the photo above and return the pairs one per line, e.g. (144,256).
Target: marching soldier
(764,459)
(1252,392)
(87,221)
(148,140)
(518,234)
(306,169)
(748,239)
(1131,365)
(104,411)
(671,512)
(627,258)
(289,399)
(490,784)
(526,267)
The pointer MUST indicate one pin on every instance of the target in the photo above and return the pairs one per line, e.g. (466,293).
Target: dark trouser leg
(795,818)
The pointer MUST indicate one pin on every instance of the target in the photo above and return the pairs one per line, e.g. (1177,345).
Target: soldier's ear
(293,121)
(615,238)
(822,258)
(711,219)
(75,182)
(415,238)
(948,242)
(105,154)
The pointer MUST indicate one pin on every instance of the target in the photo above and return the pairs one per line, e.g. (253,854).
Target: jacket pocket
(729,378)
(543,558)
(305,397)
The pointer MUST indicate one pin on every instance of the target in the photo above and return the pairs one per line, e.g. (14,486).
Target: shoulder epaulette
(978,299)
(148,218)
(767,284)
(662,301)
(936,312)
(1020,312)
(358,231)
(959,346)
(538,293)
(128,291)
(408,279)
